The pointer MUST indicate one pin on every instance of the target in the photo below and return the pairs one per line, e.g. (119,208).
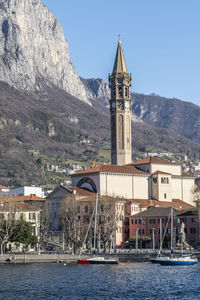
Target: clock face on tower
(127,104)
(113,105)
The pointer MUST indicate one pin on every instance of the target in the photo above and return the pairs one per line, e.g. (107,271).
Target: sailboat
(96,259)
(175,258)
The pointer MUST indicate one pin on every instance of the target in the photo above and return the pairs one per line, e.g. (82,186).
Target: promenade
(123,256)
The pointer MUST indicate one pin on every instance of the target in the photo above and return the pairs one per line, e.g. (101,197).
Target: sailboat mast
(95,222)
(172,229)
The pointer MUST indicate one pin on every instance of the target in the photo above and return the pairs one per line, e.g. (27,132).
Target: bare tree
(73,224)
(44,225)
(8,224)
(110,217)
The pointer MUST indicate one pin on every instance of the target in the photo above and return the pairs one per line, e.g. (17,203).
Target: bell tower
(120,111)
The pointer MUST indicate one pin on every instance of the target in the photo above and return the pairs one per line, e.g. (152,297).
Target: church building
(148,179)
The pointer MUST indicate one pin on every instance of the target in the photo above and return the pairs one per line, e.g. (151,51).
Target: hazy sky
(160,40)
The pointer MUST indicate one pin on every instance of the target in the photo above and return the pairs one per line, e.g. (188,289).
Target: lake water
(91,282)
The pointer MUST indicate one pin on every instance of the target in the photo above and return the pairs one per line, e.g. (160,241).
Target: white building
(149,179)
(27,191)
(4,190)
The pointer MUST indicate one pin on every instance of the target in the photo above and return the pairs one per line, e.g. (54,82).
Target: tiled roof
(21,198)
(187,175)
(16,206)
(2,187)
(112,169)
(81,192)
(153,160)
(150,203)
(153,212)
(161,172)
(164,210)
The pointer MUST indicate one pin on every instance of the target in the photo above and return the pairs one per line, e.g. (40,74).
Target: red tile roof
(16,206)
(153,160)
(2,187)
(147,203)
(187,175)
(112,169)
(81,192)
(21,198)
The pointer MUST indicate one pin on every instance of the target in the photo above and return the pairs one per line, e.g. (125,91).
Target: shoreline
(72,259)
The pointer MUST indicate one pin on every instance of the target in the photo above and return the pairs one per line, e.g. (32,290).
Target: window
(154,179)
(152,221)
(134,221)
(78,209)
(102,208)
(31,216)
(164,180)
(192,230)
(21,216)
(86,209)
(101,219)
(165,195)
(192,220)
(141,231)
(86,219)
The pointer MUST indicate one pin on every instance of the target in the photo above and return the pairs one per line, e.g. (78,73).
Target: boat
(96,260)
(175,258)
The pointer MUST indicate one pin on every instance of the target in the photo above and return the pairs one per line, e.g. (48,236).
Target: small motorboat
(98,261)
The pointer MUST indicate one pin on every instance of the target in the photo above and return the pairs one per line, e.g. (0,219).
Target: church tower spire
(120,110)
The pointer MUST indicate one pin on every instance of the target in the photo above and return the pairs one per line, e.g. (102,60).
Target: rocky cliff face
(97,88)
(33,49)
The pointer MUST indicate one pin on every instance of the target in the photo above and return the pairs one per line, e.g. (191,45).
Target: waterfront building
(154,221)
(21,211)
(111,212)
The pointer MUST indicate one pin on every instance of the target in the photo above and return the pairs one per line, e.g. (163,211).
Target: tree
(23,233)
(110,216)
(74,227)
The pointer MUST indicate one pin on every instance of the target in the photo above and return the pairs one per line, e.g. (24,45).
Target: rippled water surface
(123,281)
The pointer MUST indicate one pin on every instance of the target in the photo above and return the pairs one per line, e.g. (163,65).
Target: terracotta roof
(153,212)
(2,187)
(159,212)
(161,172)
(146,203)
(187,175)
(112,169)
(81,192)
(153,160)
(16,206)
(21,198)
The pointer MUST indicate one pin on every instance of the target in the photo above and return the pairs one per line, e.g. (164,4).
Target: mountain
(178,116)
(33,49)
(49,115)
(53,127)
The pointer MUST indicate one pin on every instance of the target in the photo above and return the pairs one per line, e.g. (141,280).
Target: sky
(160,41)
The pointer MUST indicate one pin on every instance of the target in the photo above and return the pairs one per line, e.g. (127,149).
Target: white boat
(97,260)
